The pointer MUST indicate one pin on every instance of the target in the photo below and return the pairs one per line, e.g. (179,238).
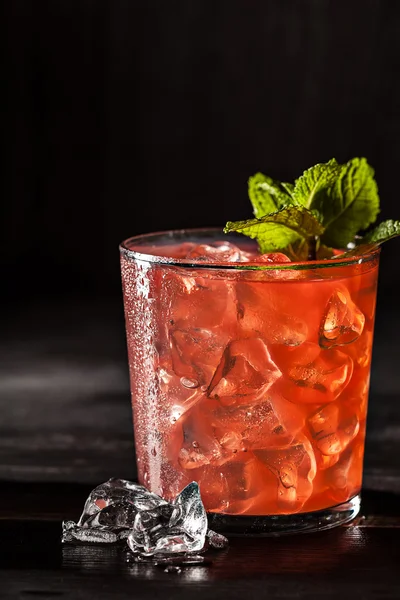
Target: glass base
(276,525)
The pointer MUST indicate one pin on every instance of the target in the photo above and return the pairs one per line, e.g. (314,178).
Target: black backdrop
(127,116)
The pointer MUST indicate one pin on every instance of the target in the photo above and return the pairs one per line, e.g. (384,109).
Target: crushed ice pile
(121,510)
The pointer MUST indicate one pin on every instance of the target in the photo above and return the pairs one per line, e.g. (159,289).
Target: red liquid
(255,384)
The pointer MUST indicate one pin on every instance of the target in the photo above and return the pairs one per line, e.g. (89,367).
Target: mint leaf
(312,187)
(279,229)
(349,205)
(266,195)
(288,187)
(382,233)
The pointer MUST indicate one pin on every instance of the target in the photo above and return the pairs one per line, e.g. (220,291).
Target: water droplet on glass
(189,383)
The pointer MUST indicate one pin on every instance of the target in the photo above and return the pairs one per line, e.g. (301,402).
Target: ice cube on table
(244,374)
(181,527)
(155,527)
(217,540)
(72,533)
(312,375)
(118,515)
(118,492)
(342,323)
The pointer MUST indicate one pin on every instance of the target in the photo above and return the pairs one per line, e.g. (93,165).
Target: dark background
(123,117)
(129,116)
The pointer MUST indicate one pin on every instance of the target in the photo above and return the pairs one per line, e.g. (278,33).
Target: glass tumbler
(250,378)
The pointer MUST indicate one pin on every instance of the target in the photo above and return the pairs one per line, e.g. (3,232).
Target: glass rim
(234,266)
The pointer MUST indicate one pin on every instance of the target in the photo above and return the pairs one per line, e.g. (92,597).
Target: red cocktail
(249,375)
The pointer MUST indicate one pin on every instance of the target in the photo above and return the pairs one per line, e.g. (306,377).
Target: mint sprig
(279,229)
(267,195)
(324,208)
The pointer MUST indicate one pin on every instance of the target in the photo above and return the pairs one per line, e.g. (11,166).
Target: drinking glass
(249,377)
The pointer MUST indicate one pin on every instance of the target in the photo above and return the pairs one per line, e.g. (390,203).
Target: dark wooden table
(65,425)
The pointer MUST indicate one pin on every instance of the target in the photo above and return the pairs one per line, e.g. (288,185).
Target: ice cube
(271,257)
(72,533)
(230,440)
(263,310)
(177,395)
(356,393)
(206,302)
(342,323)
(174,530)
(117,491)
(217,540)
(183,560)
(345,477)
(200,446)
(312,375)
(195,354)
(218,252)
(181,528)
(274,422)
(287,329)
(295,470)
(366,294)
(120,514)
(240,486)
(333,427)
(245,373)
(361,349)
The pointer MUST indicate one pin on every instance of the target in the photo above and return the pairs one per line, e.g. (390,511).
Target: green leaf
(288,187)
(279,229)
(312,187)
(351,204)
(382,233)
(266,195)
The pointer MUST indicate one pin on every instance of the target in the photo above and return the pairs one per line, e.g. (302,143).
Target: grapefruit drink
(249,374)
